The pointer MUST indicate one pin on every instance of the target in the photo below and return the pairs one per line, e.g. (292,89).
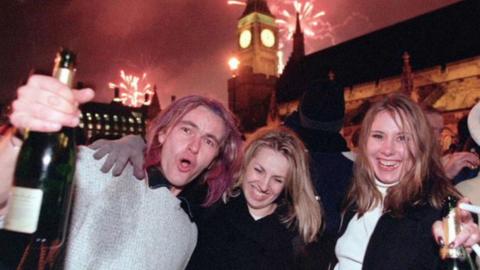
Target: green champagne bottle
(453,258)
(43,185)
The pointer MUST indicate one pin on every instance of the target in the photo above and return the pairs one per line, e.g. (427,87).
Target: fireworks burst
(134,91)
(313,27)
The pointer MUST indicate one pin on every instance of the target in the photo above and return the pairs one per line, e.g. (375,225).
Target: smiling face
(190,146)
(387,148)
(264,179)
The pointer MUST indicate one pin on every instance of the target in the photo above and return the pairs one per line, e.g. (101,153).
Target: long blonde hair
(423,182)
(304,211)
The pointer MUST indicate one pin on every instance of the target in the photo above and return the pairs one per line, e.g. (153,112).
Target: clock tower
(257,36)
(250,89)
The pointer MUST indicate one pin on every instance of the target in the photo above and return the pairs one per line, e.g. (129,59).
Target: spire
(298,28)
(259,6)
(154,107)
(407,76)
(298,50)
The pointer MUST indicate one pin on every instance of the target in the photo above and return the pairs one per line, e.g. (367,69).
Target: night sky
(182,45)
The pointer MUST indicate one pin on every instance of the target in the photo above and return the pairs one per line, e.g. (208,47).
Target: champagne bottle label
(451,228)
(24,210)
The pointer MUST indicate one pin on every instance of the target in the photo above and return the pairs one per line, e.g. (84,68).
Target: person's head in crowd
(274,176)
(435,119)
(459,163)
(397,148)
(319,117)
(465,138)
(195,137)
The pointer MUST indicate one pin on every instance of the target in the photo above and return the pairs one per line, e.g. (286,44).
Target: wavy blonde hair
(423,182)
(304,211)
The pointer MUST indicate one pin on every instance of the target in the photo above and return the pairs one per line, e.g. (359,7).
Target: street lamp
(234,63)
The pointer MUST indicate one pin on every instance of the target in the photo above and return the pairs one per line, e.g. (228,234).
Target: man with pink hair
(118,223)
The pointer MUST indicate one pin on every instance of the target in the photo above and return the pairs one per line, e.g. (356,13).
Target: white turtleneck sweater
(351,247)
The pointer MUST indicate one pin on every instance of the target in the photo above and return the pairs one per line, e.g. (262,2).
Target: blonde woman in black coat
(270,213)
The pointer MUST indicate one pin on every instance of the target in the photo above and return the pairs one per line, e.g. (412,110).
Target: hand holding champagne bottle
(455,233)
(38,211)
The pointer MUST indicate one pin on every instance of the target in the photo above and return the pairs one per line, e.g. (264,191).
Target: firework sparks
(238,3)
(308,18)
(134,90)
(313,26)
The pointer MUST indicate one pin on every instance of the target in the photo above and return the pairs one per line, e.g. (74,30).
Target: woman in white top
(397,193)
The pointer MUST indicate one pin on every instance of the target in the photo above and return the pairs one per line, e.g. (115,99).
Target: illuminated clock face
(268,38)
(245,38)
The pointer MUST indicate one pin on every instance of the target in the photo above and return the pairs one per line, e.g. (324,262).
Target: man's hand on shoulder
(455,162)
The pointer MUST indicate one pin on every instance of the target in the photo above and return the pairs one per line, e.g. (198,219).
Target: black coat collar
(268,231)
(156,179)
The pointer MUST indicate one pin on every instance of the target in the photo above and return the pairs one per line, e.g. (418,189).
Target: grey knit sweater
(120,223)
